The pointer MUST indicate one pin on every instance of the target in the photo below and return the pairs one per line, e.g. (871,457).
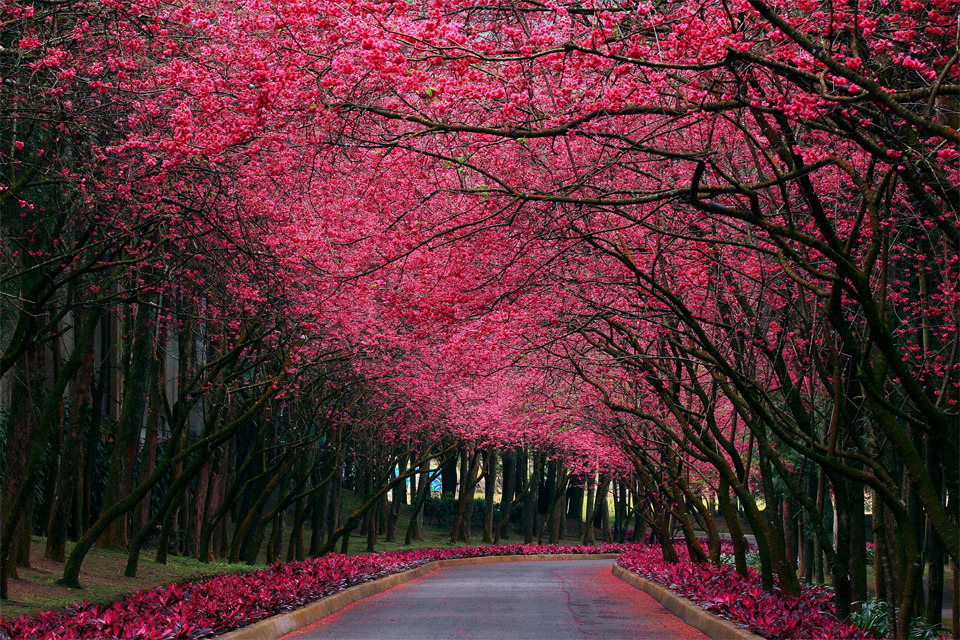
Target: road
(575,599)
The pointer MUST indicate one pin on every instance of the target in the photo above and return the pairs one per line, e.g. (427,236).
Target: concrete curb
(282,624)
(713,626)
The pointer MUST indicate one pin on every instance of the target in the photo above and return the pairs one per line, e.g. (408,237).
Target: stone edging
(279,625)
(713,626)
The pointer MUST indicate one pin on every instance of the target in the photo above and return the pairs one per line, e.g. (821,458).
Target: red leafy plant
(211,607)
(721,590)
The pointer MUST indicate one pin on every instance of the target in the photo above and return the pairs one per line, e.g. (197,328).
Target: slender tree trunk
(69,476)
(588,518)
(448,479)
(393,513)
(318,517)
(198,513)
(149,457)
(575,511)
(423,491)
(334,518)
(605,513)
(530,503)
(373,523)
(507,496)
(489,494)
(732,519)
(135,390)
(557,510)
(469,468)
(92,444)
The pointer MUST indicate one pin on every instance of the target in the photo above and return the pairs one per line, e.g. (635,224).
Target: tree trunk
(604,512)
(530,503)
(489,494)
(318,514)
(732,519)
(149,457)
(70,464)
(557,510)
(333,514)
(575,511)
(588,518)
(423,491)
(507,495)
(448,479)
(469,467)
(135,389)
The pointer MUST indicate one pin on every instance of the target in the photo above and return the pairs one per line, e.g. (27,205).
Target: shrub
(872,617)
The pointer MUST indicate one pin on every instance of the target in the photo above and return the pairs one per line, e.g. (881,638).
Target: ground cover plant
(207,608)
(742,599)
(874,616)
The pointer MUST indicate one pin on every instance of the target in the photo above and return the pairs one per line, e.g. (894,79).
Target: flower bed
(211,607)
(722,591)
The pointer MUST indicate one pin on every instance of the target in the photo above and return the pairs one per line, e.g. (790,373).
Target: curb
(279,625)
(706,622)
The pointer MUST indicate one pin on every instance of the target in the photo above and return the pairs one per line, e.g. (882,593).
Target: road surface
(574,599)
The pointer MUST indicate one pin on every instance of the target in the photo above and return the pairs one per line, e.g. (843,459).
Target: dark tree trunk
(732,519)
(333,505)
(149,456)
(70,464)
(318,514)
(507,495)
(530,503)
(588,519)
(448,479)
(469,467)
(604,512)
(489,494)
(136,386)
(423,491)
(92,445)
(575,496)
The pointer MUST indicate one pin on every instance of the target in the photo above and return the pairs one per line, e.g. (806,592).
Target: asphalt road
(573,599)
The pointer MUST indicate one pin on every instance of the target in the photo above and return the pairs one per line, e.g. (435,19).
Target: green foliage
(872,617)
(753,558)
(440,511)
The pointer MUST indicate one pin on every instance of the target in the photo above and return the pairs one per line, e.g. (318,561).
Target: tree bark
(135,389)
(70,464)
(530,502)
(489,494)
